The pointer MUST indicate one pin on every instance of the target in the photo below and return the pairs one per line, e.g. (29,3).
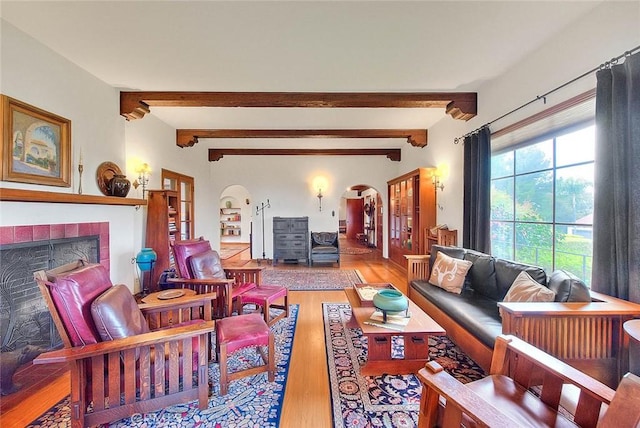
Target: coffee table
(415,334)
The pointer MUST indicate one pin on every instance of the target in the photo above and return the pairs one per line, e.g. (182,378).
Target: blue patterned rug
(251,402)
(379,401)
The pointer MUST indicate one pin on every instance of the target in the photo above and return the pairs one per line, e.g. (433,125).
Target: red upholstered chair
(120,367)
(200,268)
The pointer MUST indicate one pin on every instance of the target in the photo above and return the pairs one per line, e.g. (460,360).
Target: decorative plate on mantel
(104,174)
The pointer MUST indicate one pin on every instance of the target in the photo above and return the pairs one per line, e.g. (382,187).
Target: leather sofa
(325,247)
(475,317)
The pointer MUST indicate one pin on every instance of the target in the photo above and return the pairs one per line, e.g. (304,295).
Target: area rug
(312,279)
(379,401)
(252,401)
(355,251)
(230,250)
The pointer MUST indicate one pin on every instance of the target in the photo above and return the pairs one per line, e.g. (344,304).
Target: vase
(390,301)
(119,186)
(228,204)
(145,259)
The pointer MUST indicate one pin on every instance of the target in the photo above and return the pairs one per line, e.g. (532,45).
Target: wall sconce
(319,195)
(442,171)
(144,172)
(319,183)
(436,181)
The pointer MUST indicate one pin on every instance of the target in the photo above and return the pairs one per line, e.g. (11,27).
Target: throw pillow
(525,289)
(449,273)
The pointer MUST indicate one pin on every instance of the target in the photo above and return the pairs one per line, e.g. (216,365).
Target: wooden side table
(632,329)
(160,298)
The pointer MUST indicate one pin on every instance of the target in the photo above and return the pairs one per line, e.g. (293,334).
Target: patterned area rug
(252,401)
(312,279)
(355,250)
(379,401)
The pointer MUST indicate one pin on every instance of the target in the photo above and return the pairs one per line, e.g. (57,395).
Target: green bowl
(390,301)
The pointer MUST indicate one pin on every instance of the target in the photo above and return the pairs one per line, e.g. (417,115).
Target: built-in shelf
(21,195)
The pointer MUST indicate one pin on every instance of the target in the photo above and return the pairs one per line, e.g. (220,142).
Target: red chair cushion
(72,294)
(242,331)
(116,314)
(263,294)
(182,250)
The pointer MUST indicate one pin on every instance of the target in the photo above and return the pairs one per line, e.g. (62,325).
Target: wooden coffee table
(415,334)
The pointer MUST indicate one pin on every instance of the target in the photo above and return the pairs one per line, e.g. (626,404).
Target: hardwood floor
(306,402)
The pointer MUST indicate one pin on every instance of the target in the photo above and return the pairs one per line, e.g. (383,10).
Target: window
(542,202)
(184,185)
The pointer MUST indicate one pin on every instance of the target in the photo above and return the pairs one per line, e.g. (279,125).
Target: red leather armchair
(118,366)
(199,268)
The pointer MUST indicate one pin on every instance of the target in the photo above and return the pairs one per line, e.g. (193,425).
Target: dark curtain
(477,191)
(616,216)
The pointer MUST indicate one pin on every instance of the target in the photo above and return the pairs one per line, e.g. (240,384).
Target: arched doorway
(236,223)
(360,216)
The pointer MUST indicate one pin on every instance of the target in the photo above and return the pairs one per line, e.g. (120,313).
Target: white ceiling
(298,46)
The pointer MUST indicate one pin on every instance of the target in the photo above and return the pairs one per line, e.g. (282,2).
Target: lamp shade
(145,259)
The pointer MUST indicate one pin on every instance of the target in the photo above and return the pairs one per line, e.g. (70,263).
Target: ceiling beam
(217,154)
(189,137)
(460,105)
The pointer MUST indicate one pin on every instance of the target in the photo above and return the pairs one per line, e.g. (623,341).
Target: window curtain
(616,217)
(477,191)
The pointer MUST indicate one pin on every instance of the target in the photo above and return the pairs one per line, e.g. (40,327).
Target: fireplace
(24,317)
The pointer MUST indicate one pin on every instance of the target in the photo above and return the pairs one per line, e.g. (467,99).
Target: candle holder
(80,169)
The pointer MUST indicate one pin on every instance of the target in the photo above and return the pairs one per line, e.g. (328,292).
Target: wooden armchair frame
(589,336)
(145,372)
(446,402)
(222,287)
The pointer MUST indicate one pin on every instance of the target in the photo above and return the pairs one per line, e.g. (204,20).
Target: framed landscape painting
(36,145)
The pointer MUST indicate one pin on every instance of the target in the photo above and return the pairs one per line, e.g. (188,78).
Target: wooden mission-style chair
(119,367)
(199,267)
(526,387)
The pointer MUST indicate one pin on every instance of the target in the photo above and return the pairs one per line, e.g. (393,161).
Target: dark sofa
(325,247)
(473,318)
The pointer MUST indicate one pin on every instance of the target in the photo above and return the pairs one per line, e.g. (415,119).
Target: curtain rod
(543,97)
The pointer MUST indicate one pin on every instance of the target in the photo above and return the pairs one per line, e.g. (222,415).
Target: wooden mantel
(189,137)
(21,195)
(459,105)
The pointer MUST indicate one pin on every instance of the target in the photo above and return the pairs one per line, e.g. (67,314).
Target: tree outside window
(542,202)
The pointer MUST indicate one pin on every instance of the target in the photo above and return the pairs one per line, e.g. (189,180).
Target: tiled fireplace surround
(17,237)
(45,232)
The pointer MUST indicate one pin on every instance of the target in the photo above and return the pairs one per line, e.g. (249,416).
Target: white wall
(38,76)
(286,182)
(609,30)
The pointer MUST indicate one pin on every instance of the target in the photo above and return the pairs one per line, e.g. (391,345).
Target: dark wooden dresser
(291,239)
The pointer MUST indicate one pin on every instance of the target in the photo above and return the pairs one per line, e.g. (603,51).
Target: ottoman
(265,296)
(239,332)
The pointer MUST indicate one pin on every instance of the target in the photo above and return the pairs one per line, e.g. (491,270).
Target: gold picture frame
(36,145)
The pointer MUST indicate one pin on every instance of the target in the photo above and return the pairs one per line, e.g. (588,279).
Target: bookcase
(412,208)
(163,227)
(230,223)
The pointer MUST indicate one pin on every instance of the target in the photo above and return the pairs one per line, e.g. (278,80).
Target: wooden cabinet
(412,208)
(291,239)
(230,222)
(163,227)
